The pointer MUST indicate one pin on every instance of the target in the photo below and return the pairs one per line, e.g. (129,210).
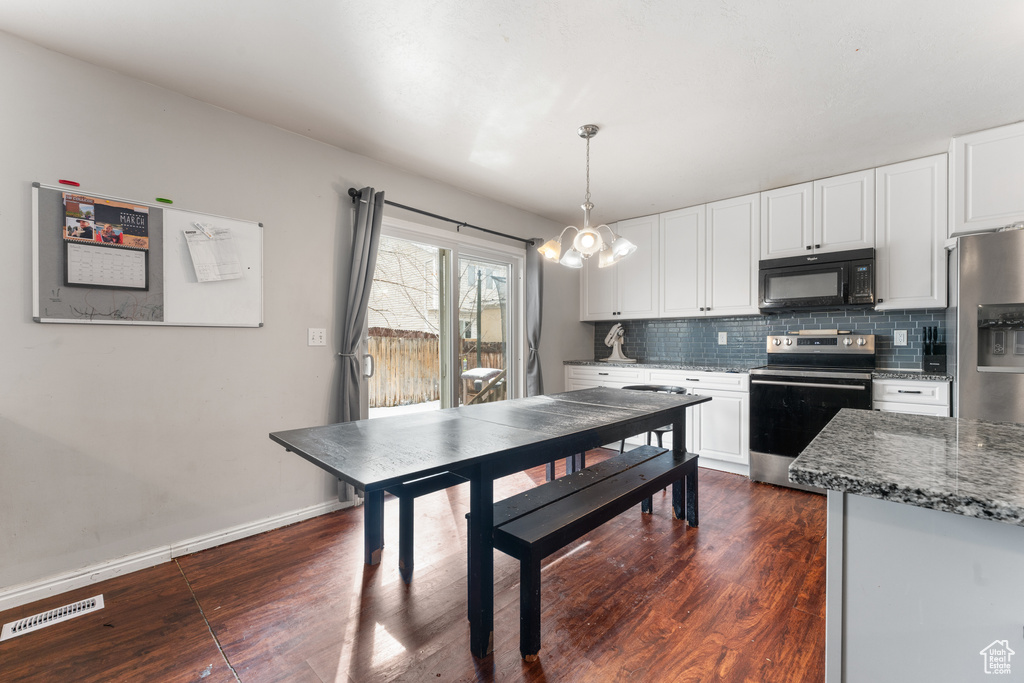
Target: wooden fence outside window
(407,366)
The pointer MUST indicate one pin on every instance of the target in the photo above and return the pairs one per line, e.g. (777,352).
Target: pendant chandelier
(588,240)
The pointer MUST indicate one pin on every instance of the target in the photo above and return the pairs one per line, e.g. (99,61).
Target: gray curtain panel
(534,296)
(365,239)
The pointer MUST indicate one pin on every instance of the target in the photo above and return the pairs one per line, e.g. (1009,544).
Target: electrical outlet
(317,336)
(899,338)
(723,338)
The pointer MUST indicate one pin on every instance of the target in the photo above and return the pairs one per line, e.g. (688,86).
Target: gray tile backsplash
(694,341)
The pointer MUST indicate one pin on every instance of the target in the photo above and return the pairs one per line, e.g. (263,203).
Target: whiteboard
(173,295)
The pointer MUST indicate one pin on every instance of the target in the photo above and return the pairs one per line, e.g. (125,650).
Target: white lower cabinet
(589,376)
(718,431)
(919,397)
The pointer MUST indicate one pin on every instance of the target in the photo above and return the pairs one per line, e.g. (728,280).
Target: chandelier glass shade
(588,239)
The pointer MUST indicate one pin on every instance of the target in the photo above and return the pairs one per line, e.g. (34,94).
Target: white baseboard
(723,466)
(21,594)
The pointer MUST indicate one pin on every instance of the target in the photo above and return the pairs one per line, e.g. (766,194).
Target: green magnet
(165,201)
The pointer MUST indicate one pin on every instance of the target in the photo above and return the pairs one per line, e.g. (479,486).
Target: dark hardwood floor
(643,598)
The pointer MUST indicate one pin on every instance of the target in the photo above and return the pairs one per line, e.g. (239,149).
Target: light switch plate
(723,338)
(899,338)
(317,336)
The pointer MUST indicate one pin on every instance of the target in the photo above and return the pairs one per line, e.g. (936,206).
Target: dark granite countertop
(662,365)
(968,467)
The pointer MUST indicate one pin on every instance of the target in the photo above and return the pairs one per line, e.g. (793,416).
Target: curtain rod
(354,194)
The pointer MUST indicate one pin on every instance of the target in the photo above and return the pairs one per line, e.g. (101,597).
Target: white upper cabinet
(787,221)
(986,172)
(733,245)
(683,262)
(844,212)
(638,273)
(709,259)
(628,289)
(910,234)
(599,287)
(833,214)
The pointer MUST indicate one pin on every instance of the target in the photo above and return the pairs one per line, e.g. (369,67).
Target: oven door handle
(816,385)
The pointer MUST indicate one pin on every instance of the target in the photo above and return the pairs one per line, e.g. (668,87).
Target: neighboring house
(405,293)
(405,287)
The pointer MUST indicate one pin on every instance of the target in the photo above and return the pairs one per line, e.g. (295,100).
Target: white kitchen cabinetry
(787,221)
(986,173)
(629,289)
(832,214)
(709,259)
(920,397)
(844,212)
(718,431)
(683,262)
(910,234)
(589,376)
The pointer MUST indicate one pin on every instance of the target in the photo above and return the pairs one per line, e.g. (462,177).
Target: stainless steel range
(809,378)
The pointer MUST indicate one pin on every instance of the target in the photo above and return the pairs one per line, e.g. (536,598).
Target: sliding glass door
(442,325)
(484,328)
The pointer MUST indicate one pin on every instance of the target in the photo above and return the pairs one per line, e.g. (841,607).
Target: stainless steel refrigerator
(987,311)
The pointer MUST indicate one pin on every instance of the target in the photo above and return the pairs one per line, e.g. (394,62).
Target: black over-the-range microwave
(817,281)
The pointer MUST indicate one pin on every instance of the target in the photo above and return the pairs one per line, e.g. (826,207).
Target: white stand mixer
(614,339)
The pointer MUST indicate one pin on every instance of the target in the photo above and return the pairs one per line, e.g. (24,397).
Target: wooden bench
(532,525)
(407,493)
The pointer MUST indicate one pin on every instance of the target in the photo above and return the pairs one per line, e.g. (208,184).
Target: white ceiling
(697,99)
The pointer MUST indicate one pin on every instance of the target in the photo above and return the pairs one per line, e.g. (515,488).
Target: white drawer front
(696,379)
(912,408)
(900,391)
(605,377)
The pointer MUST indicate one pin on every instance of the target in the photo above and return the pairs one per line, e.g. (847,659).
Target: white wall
(118,440)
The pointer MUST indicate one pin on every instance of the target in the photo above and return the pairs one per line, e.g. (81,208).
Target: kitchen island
(925,569)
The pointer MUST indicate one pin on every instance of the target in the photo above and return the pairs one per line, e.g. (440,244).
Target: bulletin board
(101,259)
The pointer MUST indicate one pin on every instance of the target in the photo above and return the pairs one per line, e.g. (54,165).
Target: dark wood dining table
(481,443)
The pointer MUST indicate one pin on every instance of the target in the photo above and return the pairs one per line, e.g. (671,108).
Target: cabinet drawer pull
(692,379)
(908,391)
(603,373)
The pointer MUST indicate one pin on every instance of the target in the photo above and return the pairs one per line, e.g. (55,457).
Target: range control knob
(789,342)
(776,341)
(847,342)
(861,341)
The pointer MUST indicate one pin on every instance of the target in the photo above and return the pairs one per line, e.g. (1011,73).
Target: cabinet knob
(809,247)
(881,300)
(817,246)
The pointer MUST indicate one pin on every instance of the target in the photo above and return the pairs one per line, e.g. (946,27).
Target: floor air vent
(38,621)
